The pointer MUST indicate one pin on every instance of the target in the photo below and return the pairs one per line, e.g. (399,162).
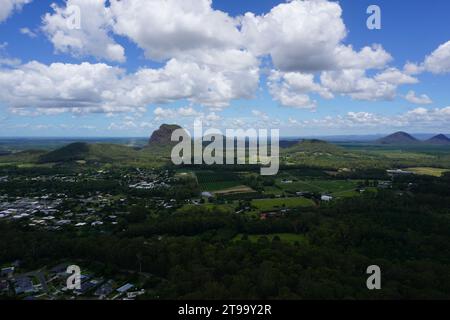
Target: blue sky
(305,67)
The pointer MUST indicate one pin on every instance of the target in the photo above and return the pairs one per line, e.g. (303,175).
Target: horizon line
(284,137)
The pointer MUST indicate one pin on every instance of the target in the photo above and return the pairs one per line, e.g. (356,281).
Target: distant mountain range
(162,137)
(398,138)
(159,147)
(439,139)
(401,137)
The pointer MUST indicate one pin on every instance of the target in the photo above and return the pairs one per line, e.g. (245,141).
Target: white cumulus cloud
(439,60)
(356,84)
(7,7)
(415,119)
(298,35)
(422,99)
(99,87)
(171,28)
(92,38)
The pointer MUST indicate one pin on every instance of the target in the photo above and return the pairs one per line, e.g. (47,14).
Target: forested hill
(85,151)
(398,138)
(314,145)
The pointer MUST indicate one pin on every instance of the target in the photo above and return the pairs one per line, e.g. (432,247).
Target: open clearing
(281,203)
(428,171)
(237,189)
(333,187)
(217,180)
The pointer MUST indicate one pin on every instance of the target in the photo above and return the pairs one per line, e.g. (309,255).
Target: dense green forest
(196,255)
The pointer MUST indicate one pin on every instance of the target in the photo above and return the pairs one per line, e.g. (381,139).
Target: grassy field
(353,193)
(428,171)
(274,190)
(237,189)
(5,164)
(278,203)
(286,237)
(216,180)
(184,174)
(26,165)
(318,185)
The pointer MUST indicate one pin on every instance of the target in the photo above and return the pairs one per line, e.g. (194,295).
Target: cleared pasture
(281,203)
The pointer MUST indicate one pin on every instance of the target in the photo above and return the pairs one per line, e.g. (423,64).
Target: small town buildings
(23,285)
(399,172)
(86,286)
(104,290)
(4,286)
(207,194)
(125,288)
(385,184)
(7,273)
(133,295)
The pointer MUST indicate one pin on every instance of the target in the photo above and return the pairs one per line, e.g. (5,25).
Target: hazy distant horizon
(419,135)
